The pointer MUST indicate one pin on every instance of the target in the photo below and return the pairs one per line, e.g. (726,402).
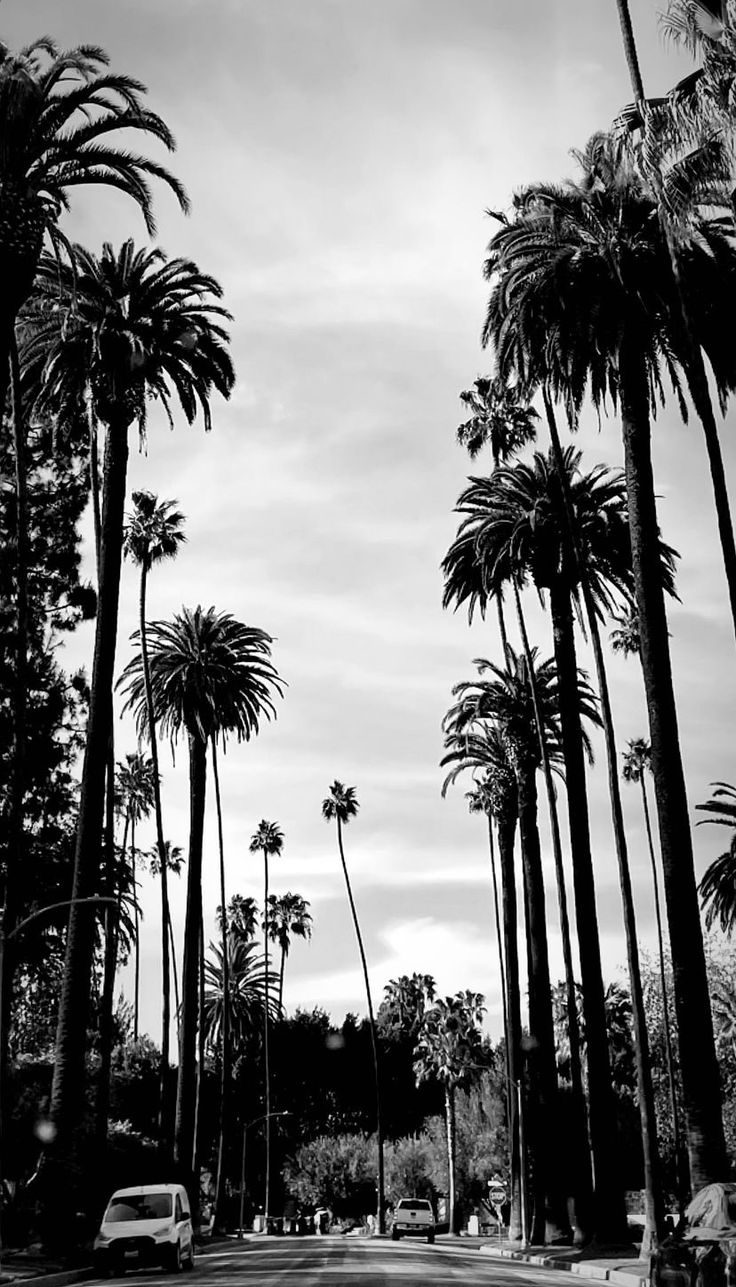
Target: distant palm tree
(174,863)
(136,790)
(241,917)
(268,840)
(718,886)
(287,915)
(625,637)
(246,995)
(341,805)
(152,534)
(449,1051)
(210,675)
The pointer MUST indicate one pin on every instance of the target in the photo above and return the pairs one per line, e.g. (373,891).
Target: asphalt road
(334,1261)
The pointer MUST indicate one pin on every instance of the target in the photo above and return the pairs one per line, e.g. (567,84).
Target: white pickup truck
(413,1217)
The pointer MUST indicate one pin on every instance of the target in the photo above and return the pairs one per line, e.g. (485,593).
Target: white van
(150,1224)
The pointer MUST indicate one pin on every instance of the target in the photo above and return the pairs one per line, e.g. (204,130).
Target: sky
(341,156)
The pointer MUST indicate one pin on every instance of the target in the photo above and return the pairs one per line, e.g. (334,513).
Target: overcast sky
(340,156)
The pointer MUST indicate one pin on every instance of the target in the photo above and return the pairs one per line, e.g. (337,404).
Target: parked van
(150,1224)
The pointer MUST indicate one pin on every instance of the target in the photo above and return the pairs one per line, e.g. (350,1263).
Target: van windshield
(139,1206)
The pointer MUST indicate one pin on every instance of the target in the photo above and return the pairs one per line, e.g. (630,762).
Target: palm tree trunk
(225,1034)
(581,1170)
(201,1046)
(380,1213)
(699,1067)
(282,968)
(451,1152)
(632,59)
(137,924)
(610,1214)
(266,1054)
(499,932)
(186,1090)
(163,869)
(16,792)
(680,1163)
(654,1199)
(549,1219)
(68,1095)
(506,823)
(502,626)
(107,1001)
(174,975)
(94,472)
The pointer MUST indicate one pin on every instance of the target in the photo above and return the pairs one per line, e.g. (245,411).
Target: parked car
(702,1249)
(150,1224)
(413,1217)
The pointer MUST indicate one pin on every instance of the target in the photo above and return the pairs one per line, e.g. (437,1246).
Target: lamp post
(246,1127)
(5,938)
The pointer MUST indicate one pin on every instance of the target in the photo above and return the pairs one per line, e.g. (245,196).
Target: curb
(61,1279)
(582,1268)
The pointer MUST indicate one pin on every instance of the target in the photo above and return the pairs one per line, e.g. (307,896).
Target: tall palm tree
(60,114)
(637,762)
(342,805)
(483,751)
(506,698)
(268,839)
(288,915)
(152,534)
(248,982)
(136,328)
(502,419)
(210,675)
(582,298)
(449,1051)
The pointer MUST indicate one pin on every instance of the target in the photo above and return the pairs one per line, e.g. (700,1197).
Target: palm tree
(248,983)
(59,111)
(581,298)
(287,915)
(484,751)
(449,1051)
(268,840)
(210,675)
(507,699)
(342,805)
(136,790)
(174,862)
(152,534)
(502,419)
(241,917)
(637,762)
(718,886)
(136,328)
(625,637)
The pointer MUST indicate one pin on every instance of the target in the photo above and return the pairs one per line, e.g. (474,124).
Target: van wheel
(430,1237)
(395,1235)
(189,1262)
(175,1260)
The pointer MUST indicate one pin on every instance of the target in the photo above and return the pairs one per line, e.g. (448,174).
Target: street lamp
(246,1127)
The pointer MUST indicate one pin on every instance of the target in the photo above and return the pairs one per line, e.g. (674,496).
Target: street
(314,1262)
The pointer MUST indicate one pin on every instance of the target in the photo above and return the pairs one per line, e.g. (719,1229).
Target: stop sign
(497,1194)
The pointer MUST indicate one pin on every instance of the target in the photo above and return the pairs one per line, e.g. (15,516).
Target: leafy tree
(342,805)
(288,914)
(268,840)
(334,1171)
(210,675)
(718,886)
(153,533)
(448,1051)
(405,1003)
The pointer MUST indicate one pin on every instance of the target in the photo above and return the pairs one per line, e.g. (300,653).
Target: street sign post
(497,1197)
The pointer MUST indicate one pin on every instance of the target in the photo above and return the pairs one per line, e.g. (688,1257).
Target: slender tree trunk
(201,1049)
(550,1217)
(502,626)
(163,870)
(654,1199)
(381,1215)
(110,960)
(499,932)
(451,1152)
(282,967)
(137,932)
(698,1063)
(186,1090)
(506,823)
(175,976)
(680,1162)
(266,1052)
(68,1095)
(610,1214)
(15,814)
(581,1170)
(225,1034)
(94,473)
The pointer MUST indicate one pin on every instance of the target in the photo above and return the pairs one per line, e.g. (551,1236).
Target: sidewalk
(622,1270)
